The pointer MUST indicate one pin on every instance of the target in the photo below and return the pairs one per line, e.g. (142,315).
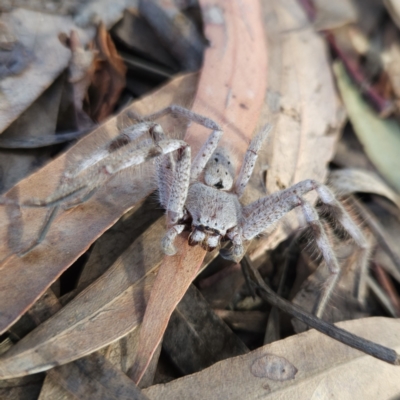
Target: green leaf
(379,137)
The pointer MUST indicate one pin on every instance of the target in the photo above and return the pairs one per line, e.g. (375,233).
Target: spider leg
(266,211)
(127,136)
(180,186)
(101,172)
(179,111)
(250,160)
(167,163)
(211,144)
(237,252)
(204,154)
(169,238)
(174,197)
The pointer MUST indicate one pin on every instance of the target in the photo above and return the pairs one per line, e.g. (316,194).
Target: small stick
(373,349)
(388,286)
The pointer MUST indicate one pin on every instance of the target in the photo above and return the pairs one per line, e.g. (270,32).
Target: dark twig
(375,350)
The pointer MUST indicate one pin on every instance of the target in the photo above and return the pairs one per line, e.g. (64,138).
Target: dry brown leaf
(26,388)
(196,337)
(231,91)
(117,239)
(94,377)
(38,33)
(73,231)
(173,278)
(325,369)
(104,312)
(219,288)
(108,78)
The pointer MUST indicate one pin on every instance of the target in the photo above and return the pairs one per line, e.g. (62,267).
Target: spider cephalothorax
(203,195)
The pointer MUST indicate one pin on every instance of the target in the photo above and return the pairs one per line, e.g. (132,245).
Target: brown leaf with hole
(274,368)
(74,230)
(325,368)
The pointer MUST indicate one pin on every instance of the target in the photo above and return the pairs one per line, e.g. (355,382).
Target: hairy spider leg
(87,182)
(250,159)
(183,112)
(180,186)
(103,170)
(129,134)
(166,164)
(266,211)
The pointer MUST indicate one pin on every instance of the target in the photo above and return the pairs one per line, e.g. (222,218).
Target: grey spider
(203,196)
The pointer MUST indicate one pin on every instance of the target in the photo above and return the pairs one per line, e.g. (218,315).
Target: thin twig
(373,349)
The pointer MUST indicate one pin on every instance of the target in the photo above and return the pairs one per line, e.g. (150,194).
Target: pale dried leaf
(325,368)
(350,180)
(302,105)
(38,33)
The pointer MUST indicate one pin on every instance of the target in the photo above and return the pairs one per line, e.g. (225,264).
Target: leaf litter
(103,312)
